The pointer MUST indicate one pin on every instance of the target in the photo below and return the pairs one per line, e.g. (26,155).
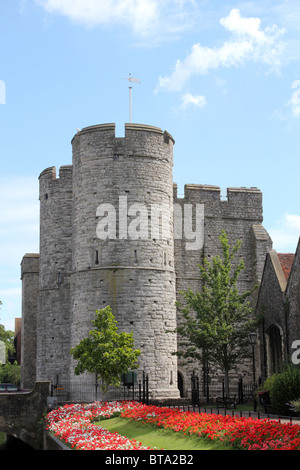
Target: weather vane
(131,80)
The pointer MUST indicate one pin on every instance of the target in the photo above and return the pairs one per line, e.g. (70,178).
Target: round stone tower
(53,317)
(122,242)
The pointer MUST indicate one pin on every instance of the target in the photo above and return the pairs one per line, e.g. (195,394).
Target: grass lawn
(150,436)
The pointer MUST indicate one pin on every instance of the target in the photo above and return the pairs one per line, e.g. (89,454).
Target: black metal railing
(79,392)
(209,392)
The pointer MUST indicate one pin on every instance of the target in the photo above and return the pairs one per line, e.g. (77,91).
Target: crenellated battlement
(53,185)
(50,173)
(240,202)
(98,247)
(129,128)
(205,191)
(100,142)
(109,128)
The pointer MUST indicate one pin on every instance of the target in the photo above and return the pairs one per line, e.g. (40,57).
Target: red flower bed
(240,433)
(74,425)
(254,434)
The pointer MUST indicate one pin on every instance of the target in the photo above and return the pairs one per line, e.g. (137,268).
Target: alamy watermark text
(296,354)
(141,222)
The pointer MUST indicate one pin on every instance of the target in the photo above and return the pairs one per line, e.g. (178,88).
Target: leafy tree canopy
(218,318)
(7,337)
(106,352)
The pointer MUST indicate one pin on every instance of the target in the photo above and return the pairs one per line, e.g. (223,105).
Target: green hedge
(10,373)
(285,388)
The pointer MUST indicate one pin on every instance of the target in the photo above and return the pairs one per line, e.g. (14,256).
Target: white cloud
(295,99)
(143,16)
(291,108)
(285,234)
(188,100)
(92,12)
(248,42)
(243,26)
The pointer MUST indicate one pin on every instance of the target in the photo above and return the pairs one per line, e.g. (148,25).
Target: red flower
(74,425)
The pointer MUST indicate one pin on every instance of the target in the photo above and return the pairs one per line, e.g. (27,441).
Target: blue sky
(223,77)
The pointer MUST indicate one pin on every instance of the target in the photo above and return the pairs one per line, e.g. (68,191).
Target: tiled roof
(286,261)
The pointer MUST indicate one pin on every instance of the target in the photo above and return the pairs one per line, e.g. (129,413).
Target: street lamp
(253,340)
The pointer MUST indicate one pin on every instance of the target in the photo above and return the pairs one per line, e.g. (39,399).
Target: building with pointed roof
(279,305)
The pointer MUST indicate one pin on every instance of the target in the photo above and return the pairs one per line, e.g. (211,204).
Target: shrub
(268,384)
(296,406)
(285,389)
(10,373)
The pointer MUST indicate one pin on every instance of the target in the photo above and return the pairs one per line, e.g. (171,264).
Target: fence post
(195,388)
(96,386)
(144,387)
(147,390)
(132,389)
(207,390)
(206,380)
(241,394)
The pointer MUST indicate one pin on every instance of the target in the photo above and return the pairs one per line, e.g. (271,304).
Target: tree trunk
(227,382)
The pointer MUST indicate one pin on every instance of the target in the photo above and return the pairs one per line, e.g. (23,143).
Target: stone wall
(132,273)
(279,305)
(270,307)
(53,321)
(139,276)
(240,215)
(21,414)
(292,302)
(50,442)
(30,286)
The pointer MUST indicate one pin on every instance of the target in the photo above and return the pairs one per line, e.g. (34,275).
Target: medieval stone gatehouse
(103,243)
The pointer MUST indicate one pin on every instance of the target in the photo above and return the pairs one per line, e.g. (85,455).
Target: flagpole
(131,80)
(130,104)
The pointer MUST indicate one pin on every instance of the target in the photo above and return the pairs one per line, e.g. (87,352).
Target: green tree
(105,352)
(7,337)
(218,318)
(8,372)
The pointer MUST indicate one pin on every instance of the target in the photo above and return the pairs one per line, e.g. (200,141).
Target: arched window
(274,349)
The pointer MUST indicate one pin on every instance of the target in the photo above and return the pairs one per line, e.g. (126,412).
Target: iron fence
(81,392)
(199,397)
(208,392)
(136,389)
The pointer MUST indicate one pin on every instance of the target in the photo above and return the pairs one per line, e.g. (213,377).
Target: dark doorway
(180,384)
(275,349)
